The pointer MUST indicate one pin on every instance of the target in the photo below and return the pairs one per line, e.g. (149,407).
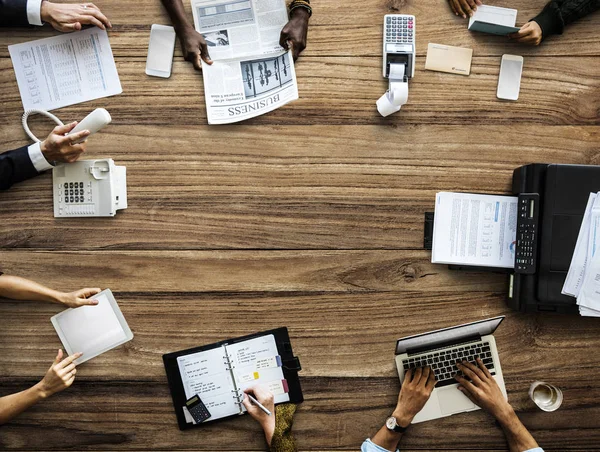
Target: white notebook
(92,330)
(220,375)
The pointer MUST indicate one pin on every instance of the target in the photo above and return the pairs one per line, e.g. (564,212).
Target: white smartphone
(509,81)
(160,51)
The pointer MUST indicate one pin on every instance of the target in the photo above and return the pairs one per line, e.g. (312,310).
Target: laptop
(441,350)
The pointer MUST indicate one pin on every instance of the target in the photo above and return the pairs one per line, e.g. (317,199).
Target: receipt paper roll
(397,93)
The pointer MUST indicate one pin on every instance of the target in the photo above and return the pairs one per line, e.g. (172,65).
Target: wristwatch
(392,424)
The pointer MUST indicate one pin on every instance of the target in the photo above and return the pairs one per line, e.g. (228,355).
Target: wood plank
(337,32)
(552,92)
(338,414)
(295,187)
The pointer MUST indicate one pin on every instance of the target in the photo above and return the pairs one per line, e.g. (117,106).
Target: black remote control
(527,232)
(197,409)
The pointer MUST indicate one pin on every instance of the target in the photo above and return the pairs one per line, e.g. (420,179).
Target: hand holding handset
(509,81)
(160,51)
(93,122)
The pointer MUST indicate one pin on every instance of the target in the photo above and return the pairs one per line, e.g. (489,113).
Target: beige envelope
(455,60)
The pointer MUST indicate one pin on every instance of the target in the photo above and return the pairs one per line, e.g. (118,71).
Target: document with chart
(472,229)
(66,69)
(251,73)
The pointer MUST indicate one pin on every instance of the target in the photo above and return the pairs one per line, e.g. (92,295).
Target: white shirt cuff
(34,12)
(37,158)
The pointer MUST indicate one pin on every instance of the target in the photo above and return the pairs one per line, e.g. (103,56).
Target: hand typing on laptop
(479,386)
(482,389)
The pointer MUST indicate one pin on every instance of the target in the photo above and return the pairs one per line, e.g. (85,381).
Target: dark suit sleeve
(15,166)
(13,13)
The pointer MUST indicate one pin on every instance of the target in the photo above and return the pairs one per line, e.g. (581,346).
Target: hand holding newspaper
(251,74)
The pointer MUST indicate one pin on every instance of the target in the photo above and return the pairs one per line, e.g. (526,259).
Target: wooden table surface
(309,217)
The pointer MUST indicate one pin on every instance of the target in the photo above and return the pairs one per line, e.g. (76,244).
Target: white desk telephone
(89,188)
(86,188)
(398,60)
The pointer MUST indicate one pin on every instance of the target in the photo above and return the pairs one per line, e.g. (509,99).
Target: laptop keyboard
(443,362)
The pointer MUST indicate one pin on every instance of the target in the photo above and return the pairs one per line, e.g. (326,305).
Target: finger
(59,356)
(407,377)
(61,130)
(90,19)
(431,381)
(484,369)
(204,54)
(466,7)
(472,372)
(70,381)
(459,9)
(197,60)
(417,375)
(68,28)
(87,292)
(95,11)
(425,375)
(66,370)
(69,359)
(246,402)
(478,2)
(472,4)
(295,51)
(466,384)
(462,389)
(452,7)
(283,39)
(81,135)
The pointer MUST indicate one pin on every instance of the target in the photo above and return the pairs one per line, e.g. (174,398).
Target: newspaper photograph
(241,89)
(240,28)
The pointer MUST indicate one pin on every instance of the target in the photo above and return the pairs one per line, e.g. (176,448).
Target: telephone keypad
(75,198)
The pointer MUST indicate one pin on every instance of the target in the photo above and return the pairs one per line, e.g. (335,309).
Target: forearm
(559,13)
(387,439)
(14,404)
(518,437)
(177,14)
(23,289)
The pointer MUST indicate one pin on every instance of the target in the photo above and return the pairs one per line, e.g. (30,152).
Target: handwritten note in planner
(207,374)
(66,69)
(257,362)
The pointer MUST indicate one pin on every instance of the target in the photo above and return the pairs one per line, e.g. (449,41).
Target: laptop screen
(453,334)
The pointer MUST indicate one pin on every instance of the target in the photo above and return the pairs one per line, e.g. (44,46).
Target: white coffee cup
(546,396)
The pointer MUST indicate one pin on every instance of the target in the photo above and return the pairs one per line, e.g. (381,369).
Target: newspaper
(251,74)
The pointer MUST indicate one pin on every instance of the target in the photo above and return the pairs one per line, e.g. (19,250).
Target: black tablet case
(290,366)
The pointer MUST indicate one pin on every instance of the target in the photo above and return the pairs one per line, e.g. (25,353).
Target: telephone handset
(399,52)
(89,188)
(93,122)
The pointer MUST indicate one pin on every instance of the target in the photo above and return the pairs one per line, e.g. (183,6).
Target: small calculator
(399,38)
(197,409)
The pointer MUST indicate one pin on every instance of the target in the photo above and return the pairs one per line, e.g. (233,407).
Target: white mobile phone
(509,81)
(160,51)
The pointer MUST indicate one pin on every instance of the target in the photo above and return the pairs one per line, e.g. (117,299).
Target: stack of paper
(583,279)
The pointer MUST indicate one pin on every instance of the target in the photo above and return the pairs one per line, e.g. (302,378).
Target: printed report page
(472,229)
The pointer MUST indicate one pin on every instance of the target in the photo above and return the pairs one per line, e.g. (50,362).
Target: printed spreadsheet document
(64,70)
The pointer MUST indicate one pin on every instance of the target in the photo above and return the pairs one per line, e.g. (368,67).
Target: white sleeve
(37,158)
(34,12)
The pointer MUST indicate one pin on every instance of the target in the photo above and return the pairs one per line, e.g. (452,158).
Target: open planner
(219,373)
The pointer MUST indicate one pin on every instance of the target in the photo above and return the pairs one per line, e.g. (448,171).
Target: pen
(258,404)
